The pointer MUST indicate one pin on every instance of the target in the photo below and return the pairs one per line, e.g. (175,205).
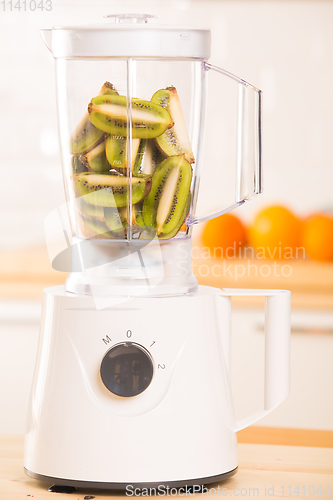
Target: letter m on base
(106,340)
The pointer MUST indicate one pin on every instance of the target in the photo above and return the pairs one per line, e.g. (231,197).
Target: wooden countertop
(300,470)
(24,274)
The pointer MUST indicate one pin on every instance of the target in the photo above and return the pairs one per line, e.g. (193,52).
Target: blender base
(123,486)
(81,434)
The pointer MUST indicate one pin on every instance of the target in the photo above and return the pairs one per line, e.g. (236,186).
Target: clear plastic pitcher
(131,100)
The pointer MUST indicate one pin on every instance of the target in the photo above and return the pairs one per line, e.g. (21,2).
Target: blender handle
(277,348)
(249,146)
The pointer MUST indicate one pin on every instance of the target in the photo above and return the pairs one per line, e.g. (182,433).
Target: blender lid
(129,35)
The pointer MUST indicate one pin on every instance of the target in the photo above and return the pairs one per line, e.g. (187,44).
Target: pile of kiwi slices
(146,194)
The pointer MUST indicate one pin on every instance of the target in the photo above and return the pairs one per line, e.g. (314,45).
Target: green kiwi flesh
(158,185)
(110,190)
(78,165)
(89,211)
(115,218)
(173,233)
(96,160)
(109,113)
(116,151)
(148,157)
(137,216)
(139,156)
(85,137)
(164,206)
(99,227)
(175,140)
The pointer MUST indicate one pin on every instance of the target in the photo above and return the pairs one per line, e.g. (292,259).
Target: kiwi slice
(115,218)
(137,216)
(97,226)
(105,190)
(89,211)
(86,135)
(108,88)
(116,151)
(78,165)
(173,233)
(96,160)
(109,113)
(148,157)
(138,159)
(175,140)
(164,206)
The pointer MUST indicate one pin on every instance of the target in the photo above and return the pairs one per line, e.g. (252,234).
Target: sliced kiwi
(163,208)
(115,218)
(98,227)
(89,211)
(139,157)
(117,154)
(108,88)
(148,157)
(96,160)
(137,216)
(86,135)
(139,229)
(175,140)
(78,165)
(105,190)
(173,233)
(110,114)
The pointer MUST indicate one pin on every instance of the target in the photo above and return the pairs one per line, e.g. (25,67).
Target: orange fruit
(224,235)
(318,237)
(276,233)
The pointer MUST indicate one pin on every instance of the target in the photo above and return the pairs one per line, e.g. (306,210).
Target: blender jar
(131,111)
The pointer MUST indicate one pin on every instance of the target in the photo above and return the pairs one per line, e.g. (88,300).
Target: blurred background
(283,47)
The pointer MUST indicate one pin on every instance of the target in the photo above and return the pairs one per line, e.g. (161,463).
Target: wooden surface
(23,275)
(261,468)
(290,437)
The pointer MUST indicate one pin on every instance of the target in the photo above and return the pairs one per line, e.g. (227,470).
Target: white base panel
(177,429)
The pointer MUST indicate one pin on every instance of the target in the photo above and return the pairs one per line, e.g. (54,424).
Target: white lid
(128,36)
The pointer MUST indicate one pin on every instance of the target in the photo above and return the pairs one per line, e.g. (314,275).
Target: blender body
(131,386)
(125,230)
(123,242)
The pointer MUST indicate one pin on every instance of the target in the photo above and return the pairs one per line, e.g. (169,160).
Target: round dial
(127,369)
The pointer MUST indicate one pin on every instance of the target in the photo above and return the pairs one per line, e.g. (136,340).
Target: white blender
(131,386)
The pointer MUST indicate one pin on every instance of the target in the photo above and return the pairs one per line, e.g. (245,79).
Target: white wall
(285,48)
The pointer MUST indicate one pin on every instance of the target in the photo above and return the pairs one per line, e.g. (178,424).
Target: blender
(131,385)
